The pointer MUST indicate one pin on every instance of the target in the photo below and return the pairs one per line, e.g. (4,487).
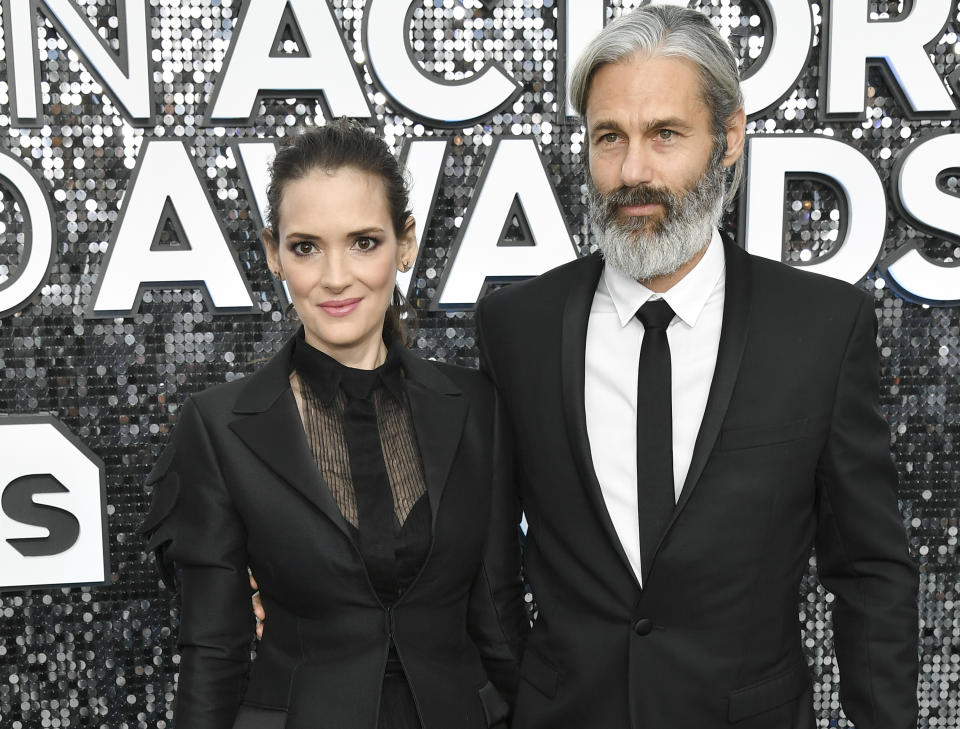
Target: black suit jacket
(792,451)
(237,486)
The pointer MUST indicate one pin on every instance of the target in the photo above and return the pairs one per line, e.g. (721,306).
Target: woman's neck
(361,356)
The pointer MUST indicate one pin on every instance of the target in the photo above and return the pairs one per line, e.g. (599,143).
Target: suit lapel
(733,339)
(573,342)
(269,424)
(439,410)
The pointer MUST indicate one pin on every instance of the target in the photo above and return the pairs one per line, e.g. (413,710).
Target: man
(676,465)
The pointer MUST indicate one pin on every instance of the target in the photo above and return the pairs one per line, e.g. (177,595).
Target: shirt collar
(325,375)
(687,297)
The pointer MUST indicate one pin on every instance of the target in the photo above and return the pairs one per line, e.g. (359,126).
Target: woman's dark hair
(345,143)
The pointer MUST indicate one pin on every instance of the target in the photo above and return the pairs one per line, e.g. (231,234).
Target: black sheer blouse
(361,435)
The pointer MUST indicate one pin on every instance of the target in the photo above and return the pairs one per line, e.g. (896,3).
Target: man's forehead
(640,90)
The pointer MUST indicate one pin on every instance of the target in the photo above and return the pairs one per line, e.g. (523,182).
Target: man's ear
(736,135)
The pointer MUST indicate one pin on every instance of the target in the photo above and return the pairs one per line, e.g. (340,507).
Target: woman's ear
(272,249)
(407,246)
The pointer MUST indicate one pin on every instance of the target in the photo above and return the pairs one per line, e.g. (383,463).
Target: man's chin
(642,231)
(640,222)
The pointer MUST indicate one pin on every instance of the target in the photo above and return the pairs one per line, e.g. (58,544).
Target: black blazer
(237,487)
(792,451)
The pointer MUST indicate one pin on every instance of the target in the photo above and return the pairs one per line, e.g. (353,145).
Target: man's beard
(688,221)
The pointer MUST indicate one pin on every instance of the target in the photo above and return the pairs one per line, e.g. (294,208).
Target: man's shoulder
(544,290)
(787,281)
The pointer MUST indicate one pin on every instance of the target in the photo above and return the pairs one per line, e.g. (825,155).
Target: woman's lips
(340,307)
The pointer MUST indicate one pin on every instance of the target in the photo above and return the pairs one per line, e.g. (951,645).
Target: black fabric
(398,710)
(325,374)
(721,593)
(411,545)
(253,717)
(247,493)
(655,500)
(377,529)
(392,553)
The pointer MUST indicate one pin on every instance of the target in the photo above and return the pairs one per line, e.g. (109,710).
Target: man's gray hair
(669,31)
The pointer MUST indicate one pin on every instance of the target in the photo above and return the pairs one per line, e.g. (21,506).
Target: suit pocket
(495,709)
(254,717)
(732,439)
(539,674)
(769,693)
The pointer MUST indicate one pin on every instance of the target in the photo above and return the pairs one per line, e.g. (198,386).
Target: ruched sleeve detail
(156,527)
(196,533)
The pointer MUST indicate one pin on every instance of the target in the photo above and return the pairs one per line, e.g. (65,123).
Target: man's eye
(665,134)
(365,244)
(609,137)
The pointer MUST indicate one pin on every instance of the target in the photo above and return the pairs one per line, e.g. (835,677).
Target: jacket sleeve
(861,546)
(195,532)
(497,618)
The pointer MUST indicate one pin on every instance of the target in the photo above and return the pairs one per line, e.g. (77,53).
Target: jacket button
(643,626)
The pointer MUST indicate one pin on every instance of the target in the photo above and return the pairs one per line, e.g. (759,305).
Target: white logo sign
(52,507)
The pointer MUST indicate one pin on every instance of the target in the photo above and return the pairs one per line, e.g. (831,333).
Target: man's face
(656,184)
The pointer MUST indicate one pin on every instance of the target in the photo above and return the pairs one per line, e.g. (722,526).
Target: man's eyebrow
(667,123)
(610,125)
(605,124)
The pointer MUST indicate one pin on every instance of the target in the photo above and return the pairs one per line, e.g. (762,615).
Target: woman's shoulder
(465,379)
(251,391)
(221,393)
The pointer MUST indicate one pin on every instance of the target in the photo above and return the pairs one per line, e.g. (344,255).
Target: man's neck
(661,284)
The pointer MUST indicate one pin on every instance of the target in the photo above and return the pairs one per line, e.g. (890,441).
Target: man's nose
(637,166)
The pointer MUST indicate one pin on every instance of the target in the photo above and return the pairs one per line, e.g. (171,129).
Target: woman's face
(337,250)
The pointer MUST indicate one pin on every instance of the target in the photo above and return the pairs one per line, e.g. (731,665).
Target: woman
(355,480)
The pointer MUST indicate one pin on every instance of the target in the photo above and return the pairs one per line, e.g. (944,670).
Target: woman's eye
(302,248)
(365,244)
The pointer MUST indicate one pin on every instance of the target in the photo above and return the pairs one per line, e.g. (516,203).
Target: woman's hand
(259,613)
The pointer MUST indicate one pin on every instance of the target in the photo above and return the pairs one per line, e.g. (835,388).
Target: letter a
(165,185)
(513,179)
(253,67)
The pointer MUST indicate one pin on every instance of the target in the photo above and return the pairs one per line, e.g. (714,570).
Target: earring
(404,266)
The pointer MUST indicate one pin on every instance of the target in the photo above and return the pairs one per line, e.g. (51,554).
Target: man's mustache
(640,195)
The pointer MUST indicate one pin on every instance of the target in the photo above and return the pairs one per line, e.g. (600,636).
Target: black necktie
(655,492)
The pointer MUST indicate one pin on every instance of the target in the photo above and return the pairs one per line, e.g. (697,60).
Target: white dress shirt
(614,336)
